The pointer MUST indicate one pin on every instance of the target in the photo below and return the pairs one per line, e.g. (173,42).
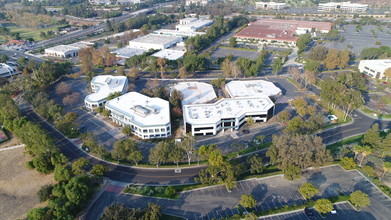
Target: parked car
(309,212)
(246,131)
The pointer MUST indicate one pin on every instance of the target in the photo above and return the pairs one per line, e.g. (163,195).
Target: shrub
(45,192)
(170,191)
(347,163)
(29,165)
(159,189)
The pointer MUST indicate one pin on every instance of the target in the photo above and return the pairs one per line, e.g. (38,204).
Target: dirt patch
(18,185)
(11,142)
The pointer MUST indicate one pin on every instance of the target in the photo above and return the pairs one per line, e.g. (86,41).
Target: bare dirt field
(18,185)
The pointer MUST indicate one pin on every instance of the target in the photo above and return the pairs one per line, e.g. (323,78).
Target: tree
(176,155)
(344,57)
(232,42)
(347,163)
(4,58)
(284,116)
(331,60)
(303,42)
(159,153)
(248,201)
(308,190)
(359,199)
(133,73)
(292,172)
(99,170)
(260,139)
(45,192)
(62,173)
(323,206)
(170,192)
(386,168)
(310,77)
(85,56)
(227,67)
(250,121)
(39,214)
(123,148)
(318,53)
(162,64)
(372,136)
(277,65)
(365,151)
(79,165)
(120,212)
(256,163)
(127,130)
(71,99)
(175,98)
(387,73)
(136,156)
(63,88)
(153,212)
(182,73)
(187,144)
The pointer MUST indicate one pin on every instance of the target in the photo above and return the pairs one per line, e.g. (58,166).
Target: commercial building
(169,54)
(196,92)
(148,117)
(192,24)
(7,70)
(227,113)
(270,5)
(253,88)
(177,33)
(374,68)
(196,2)
(154,41)
(63,51)
(280,31)
(342,7)
(103,86)
(127,52)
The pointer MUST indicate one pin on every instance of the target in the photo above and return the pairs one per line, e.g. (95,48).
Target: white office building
(196,92)
(270,5)
(148,117)
(374,68)
(103,86)
(342,6)
(253,88)
(227,113)
(192,24)
(127,52)
(154,41)
(7,70)
(63,51)
(196,2)
(169,54)
(177,33)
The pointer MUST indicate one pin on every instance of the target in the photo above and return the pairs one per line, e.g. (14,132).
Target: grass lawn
(28,32)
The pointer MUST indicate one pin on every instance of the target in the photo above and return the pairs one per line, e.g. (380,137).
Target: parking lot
(362,39)
(223,52)
(217,202)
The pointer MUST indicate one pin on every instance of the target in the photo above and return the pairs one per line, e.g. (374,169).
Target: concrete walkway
(12,147)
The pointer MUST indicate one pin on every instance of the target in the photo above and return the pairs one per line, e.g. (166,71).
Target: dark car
(245,131)
(309,213)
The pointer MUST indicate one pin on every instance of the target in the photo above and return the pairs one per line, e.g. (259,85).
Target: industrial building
(227,113)
(127,52)
(103,86)
(7,70)
(280,31)
(169,54)
(374,68)
(177,33)
(148,117)
(63,51)
(196,92)
(270,5)
(192,24)
(154,41)
(342,7)
(253,88)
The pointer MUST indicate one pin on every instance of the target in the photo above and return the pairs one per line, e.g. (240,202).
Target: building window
(150,130)
(145,131)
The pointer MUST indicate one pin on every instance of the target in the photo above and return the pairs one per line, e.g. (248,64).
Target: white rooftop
(106,85)
(377,65)
(127,52)
(177,32)
(155,39)
(81,44)
(63,48)
(192,23)
(252,88)
(169,54)
(225,108)
(141,109)
(195,92)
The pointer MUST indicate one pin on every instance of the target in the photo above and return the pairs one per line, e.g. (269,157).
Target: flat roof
(81,44)
(177,32)
(127,52)
(278,29)
(196,24)
(62,48)
(225,108)
(252,88)
(169,54)
(378,65)
(195,92)
(156,39)
(106,84)
(142,110)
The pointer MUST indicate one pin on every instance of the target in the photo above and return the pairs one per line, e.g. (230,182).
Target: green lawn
(28,32)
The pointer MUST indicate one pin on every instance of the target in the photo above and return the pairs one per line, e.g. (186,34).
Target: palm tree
(386,167)
(365,152)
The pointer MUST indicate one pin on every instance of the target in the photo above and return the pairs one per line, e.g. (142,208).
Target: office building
(148,117)
(192,24)
(196,2)
(154,41)
(253,88)
(374,68)
(342,7)
(270,5)
(196,92)
(62,51)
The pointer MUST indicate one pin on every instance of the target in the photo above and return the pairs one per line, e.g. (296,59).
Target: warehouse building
(177,33)
(253,88)
(62,51)
(154,41)
(280,31)
(227,113)
(103,86)
(127,52)
(192,24)
(342,7)
(196,92)
(374,68)
(169,54)
(270,5)
(148,117)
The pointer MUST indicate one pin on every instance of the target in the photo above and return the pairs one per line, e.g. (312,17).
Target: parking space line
(248,185)
(253,183)
(241,186)
(221,189)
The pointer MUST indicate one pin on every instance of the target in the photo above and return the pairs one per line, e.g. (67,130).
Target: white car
(334,212)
